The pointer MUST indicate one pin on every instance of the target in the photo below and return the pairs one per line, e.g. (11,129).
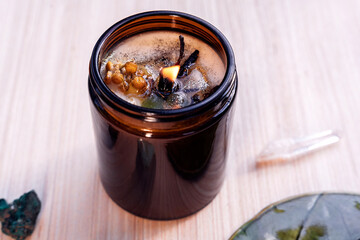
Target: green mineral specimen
(153,102)
(4,210)
(18,219)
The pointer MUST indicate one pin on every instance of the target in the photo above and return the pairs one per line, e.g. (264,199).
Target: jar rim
(111,98)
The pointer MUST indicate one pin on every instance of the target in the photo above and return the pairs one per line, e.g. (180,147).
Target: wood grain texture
(298,66)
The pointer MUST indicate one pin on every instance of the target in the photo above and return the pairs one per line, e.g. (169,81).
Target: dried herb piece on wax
(18,219)
(184,69)
(182,48)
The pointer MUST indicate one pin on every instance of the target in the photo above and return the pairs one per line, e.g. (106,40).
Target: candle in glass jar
(135,70)
(162,148)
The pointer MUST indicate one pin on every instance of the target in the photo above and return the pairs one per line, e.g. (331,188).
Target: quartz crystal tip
(286,150)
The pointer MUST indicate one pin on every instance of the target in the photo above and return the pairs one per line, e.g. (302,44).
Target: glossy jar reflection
(162,164)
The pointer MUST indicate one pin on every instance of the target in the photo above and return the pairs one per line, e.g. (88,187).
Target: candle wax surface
(154,50)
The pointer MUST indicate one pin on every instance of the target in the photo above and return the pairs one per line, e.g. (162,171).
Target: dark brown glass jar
(162,164)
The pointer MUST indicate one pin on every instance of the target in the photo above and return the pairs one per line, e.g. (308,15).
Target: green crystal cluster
(18,219)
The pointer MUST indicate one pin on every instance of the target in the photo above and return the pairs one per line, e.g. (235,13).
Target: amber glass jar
(162,164)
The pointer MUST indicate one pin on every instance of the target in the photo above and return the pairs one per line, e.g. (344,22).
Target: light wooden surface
(299,72)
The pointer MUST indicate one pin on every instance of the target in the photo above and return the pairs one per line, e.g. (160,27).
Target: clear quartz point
(288,149)
(195,80)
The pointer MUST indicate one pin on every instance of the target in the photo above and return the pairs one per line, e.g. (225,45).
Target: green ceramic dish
(330,216)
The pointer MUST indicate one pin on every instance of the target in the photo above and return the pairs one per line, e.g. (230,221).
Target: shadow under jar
(162,163)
